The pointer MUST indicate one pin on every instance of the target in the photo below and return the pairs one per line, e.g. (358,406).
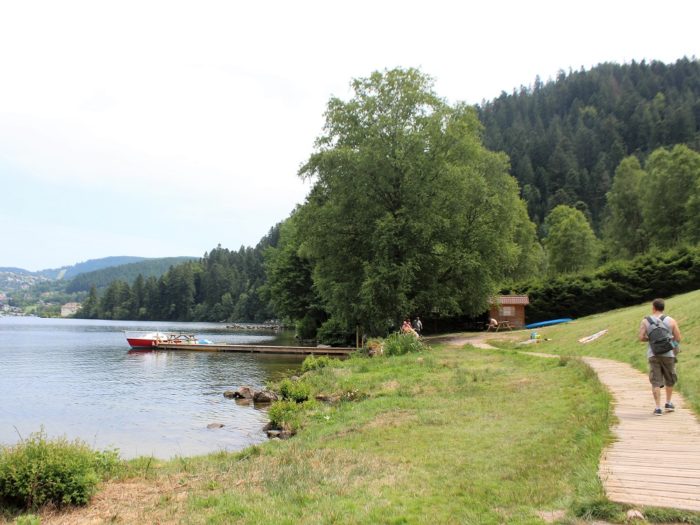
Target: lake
(78,379)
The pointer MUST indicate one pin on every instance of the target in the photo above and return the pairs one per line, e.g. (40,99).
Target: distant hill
(68,272)
(13,270)
(101,278)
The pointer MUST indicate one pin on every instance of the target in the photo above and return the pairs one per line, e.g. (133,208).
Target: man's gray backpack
(660,337)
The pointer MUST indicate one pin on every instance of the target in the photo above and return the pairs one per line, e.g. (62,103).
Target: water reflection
(78,378)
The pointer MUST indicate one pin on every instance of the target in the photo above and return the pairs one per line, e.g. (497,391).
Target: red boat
(152,339)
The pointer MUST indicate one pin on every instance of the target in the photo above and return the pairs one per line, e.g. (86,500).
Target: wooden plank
(650,472)
(688,457)
(648,501)
(675,480)
(665,488)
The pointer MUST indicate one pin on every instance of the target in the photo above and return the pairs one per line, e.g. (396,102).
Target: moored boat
(152,339)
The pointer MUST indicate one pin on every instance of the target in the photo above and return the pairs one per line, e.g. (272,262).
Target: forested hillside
(68,272)
(223,285)
(125,272)
(566,137)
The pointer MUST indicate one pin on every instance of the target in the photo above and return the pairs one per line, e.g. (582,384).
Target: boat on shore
(548,323)
(153,339)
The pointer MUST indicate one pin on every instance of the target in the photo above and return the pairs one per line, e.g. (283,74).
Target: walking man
(417,325)
(663,336)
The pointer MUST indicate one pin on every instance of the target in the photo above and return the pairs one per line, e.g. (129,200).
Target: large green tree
(672,180)
(571,244)
(624,225)
(408,211)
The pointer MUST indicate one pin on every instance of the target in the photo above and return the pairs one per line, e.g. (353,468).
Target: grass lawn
(620,343)
(446,436)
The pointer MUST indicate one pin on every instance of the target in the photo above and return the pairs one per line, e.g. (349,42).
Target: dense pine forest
(123,272)
(223,285)
(422,207)
(565,138)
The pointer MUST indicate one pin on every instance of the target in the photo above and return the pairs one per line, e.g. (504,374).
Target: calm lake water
(78,379)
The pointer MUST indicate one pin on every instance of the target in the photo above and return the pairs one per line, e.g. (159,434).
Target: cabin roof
(507,300)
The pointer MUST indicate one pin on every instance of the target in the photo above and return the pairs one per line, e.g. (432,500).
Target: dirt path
(655,461)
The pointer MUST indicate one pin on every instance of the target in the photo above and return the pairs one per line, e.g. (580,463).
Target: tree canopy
(570,241)
(408,212)
(566,137)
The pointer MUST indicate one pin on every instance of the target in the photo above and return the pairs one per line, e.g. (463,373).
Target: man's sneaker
(658,412)
(668,407)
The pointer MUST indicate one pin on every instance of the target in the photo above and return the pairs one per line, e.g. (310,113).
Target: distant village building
(69,309)
(510,308)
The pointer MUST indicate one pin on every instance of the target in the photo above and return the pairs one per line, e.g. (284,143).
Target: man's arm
(643,335)
(676,332)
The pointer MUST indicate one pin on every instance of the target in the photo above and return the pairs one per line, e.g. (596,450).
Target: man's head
(658,305)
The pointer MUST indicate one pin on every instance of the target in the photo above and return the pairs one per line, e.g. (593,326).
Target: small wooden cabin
(509,308)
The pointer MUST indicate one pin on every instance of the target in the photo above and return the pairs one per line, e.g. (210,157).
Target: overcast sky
(163,128)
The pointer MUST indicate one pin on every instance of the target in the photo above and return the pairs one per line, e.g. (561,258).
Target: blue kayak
(548,323)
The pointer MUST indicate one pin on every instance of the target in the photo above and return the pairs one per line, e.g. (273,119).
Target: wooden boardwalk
(256,349)
(655,461)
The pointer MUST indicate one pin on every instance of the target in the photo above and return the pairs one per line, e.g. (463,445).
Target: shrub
(335,333)
(316,363)
(28,519)
(375,346)
(400,344)
(296,391)
(285,414)
(38,471)
(306,328)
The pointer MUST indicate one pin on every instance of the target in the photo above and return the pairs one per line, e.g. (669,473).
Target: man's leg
(656,379)
(657,395)
(669,393)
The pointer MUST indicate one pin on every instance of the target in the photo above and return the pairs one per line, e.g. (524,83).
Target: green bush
(296,391)
(400,344)
(38,471)
(335,333)
(285,414)
(306,328)
(316,363)
(28,519)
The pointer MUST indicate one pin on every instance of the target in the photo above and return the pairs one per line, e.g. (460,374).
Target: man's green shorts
(662,371)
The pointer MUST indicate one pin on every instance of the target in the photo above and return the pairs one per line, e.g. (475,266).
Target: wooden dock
(257,349)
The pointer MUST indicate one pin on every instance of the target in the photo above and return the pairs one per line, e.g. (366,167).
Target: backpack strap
(653,323)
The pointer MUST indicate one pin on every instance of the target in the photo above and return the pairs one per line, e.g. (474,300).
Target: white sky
(163,128)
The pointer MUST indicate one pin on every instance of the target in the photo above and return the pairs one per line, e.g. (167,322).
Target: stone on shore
(265,396)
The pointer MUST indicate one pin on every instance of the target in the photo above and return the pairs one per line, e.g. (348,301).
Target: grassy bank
(620,343)
(446,436)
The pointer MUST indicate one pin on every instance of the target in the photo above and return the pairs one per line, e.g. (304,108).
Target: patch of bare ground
(129,501)
(551,516)
(477,339)
(391,419)
(390,386)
